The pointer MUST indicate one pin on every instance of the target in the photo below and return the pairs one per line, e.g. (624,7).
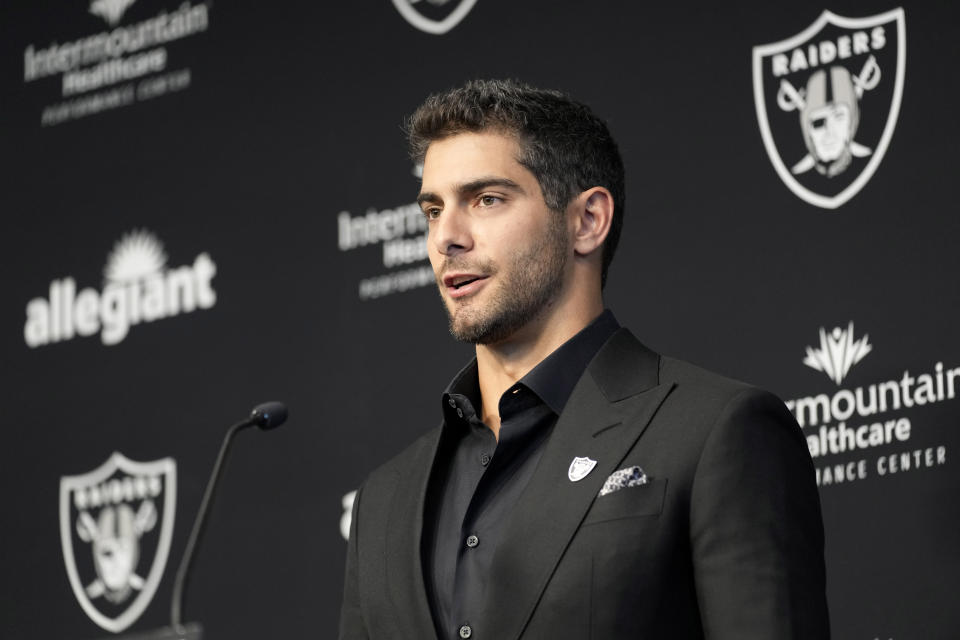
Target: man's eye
(489,200)
(432,213)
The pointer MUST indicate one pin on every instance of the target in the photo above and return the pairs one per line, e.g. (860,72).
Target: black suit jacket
(724,541)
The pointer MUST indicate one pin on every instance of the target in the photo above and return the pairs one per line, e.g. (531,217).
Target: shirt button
(466,631)
(484,459)
(473,541)
(460,412)
(452,402)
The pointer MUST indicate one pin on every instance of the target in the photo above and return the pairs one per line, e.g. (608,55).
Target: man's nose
(451,234)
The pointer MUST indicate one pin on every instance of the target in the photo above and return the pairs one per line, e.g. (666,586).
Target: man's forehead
(466,157)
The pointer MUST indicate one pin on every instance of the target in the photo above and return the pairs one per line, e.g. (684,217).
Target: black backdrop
(261,123)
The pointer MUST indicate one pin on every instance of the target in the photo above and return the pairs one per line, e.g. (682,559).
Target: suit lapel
(405,582)
(606,413)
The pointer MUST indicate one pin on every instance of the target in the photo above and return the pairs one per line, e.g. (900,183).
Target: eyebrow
(472,187)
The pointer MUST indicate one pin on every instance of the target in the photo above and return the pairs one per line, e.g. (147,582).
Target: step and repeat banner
(207,205)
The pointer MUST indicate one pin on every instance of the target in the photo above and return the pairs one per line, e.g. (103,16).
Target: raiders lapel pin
(580,468)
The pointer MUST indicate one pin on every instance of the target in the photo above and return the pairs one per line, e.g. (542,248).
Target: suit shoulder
(732,420)
(713,391)
(409,459)
(702,380)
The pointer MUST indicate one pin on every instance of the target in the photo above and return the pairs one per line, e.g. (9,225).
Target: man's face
(500,255)
(830,130)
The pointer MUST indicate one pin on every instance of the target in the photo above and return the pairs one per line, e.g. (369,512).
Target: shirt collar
(557,374)
(462,395)
(553,379)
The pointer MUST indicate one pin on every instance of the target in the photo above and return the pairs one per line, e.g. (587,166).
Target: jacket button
(473,541)
(466,631)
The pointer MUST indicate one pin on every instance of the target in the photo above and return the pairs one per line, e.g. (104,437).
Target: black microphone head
(269,415)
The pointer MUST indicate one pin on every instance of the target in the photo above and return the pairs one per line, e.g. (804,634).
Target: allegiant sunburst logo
(138,287)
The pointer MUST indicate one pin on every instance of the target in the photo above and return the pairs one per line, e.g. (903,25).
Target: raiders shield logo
(116,523)
(434,16)
(827,102)
(579,468)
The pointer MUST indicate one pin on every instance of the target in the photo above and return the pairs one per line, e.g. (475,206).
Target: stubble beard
(526,287)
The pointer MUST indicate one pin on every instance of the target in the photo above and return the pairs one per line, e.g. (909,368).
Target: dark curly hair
(562,142)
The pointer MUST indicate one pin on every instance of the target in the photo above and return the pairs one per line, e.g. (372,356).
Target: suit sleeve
(756,528)
(352,626)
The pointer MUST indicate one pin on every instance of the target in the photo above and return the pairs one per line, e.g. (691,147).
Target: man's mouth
(459,285)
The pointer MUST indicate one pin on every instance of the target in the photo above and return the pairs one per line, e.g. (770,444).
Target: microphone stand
(268,415)
(199,526)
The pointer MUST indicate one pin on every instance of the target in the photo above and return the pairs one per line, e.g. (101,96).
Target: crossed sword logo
(790,98)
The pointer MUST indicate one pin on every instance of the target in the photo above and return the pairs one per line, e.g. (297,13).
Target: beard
(527,285)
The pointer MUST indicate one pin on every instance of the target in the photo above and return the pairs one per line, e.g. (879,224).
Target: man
(580,485)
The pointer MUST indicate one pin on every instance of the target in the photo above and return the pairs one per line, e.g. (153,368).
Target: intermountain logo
(115,521)
(434,16)
(110,10)
(837,353)
(402,234)
(848,421)
(827,102)
(137,288)
(124,64)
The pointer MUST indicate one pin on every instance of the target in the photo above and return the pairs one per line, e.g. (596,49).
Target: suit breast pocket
(629,502)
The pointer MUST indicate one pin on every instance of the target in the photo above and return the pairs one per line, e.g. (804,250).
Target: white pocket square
(627,477)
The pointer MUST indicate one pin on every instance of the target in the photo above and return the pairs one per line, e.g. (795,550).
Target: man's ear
(593,215)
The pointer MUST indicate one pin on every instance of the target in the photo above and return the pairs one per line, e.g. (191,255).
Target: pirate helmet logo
(434,16)
(829,121)
(110,519)
(844,79)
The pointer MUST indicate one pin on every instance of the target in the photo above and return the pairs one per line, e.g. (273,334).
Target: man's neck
(501,365)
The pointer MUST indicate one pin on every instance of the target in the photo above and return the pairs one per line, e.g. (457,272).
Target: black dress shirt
(476,480)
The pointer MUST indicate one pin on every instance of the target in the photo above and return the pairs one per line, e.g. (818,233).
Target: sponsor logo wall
(878,413)
(137,288)
(116,66)
(253,236)
(401,235)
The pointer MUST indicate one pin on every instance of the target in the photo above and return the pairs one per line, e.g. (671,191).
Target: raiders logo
(827,102)
(434,16)
(116,524)
(580,468)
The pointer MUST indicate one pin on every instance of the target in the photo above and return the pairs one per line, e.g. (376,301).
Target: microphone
(267,416)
